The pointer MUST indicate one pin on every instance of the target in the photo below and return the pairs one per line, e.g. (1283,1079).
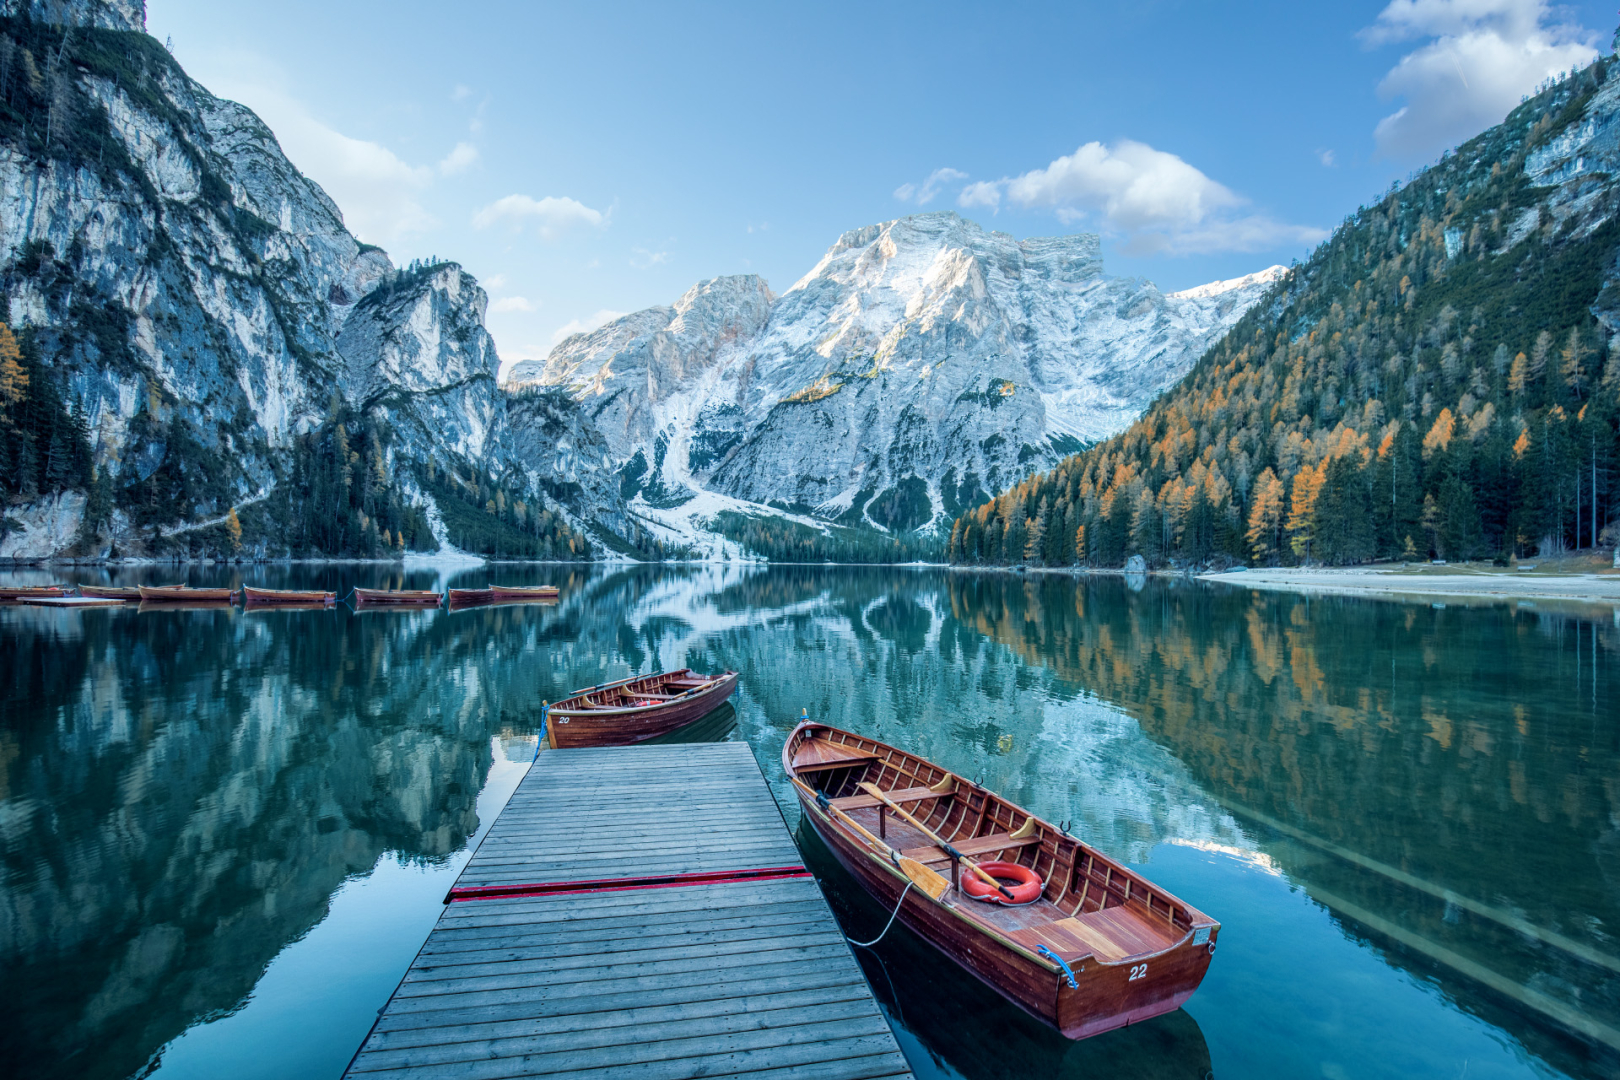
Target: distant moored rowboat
(1098,946)
(184,594)
(25,591)
(523,592)
(251,595)
(110,592)
(463,597)
(636,709)
(416,597)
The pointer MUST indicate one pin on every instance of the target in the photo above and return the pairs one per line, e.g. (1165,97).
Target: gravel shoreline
(1594,588)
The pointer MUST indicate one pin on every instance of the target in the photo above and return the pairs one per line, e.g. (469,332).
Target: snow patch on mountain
(922,364)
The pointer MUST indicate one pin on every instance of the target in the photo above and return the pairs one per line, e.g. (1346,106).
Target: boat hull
(510,592)
(381,597)
(110,592)
(1109,993)
(180,594)
(572,729)
(28,591)
(252,596)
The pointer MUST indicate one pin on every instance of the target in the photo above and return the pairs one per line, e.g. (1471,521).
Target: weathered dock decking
(634,911)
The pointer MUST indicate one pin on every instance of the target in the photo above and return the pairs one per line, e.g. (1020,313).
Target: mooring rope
(874,941)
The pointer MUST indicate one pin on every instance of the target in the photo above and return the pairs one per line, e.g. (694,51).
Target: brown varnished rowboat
(413,597)
(636,709)
(181,594)
(110,592)
(24,592)
(1098,948)
(523,592)
(468,597)
(252,596)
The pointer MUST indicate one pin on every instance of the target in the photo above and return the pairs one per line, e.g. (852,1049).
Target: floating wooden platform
(635,911)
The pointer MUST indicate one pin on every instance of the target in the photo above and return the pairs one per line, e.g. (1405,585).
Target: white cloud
(495,281)
(1326,158)
(1485,55)
(585,325)
(1154,199)
(380,194)
(511,303)
(641,258)
(461,93)
(459,160)
(551,214)
(924,193)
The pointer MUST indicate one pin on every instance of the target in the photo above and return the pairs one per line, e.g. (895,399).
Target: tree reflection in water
(182,793)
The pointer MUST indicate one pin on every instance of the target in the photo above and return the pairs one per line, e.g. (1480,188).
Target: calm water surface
(225,834)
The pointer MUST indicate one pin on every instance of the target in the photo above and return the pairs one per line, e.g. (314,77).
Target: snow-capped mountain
(920,364)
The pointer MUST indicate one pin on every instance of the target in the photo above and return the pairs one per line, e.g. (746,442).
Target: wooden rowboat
(1099,946)
(166,594)
(23,592)
(251,595)
(464,597)
(636,709)
(523,592)
(110,592)
(416,597)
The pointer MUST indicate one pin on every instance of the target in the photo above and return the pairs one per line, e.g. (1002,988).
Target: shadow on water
(951,1024)
(716,726)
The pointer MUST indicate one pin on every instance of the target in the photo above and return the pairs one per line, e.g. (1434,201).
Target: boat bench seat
(1114,936)
(982,845)
(651,697)
(900,795)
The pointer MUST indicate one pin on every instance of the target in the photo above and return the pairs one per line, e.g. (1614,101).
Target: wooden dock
(635,911)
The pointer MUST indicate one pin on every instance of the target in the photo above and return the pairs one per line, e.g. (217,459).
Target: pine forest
(1432,383)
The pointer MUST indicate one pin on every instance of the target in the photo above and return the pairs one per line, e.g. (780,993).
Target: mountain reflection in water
(183,793)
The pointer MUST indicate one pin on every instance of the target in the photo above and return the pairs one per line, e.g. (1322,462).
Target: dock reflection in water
(1407,818)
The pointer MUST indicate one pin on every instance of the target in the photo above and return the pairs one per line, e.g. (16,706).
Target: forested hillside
(1438,380)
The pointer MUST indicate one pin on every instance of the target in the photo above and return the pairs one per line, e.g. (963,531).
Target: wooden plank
(730,978)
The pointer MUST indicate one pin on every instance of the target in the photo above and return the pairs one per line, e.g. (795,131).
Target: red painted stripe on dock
(665,881)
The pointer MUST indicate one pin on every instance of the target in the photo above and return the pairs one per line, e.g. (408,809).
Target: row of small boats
(1080,941)
(248,596)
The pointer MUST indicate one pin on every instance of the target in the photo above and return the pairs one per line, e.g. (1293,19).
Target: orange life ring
(1021,881)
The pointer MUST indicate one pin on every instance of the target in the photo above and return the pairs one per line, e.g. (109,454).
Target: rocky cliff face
(920,364)
(196,294)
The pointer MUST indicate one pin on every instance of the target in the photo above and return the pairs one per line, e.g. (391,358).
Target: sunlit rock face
(919,364)
(168,260)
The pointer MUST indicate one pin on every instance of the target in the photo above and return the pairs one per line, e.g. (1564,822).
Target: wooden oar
(921,876)
(878,793)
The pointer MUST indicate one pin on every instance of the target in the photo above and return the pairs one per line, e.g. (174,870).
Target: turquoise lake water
(225,834)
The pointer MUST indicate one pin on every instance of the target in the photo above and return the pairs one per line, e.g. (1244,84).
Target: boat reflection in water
(967,1029)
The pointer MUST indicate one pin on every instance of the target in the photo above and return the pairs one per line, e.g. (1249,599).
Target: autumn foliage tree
(1431,383)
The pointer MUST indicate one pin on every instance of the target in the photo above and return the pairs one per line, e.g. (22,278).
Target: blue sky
(594,159)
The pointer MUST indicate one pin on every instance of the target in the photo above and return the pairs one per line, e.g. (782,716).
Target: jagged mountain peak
(921,362)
